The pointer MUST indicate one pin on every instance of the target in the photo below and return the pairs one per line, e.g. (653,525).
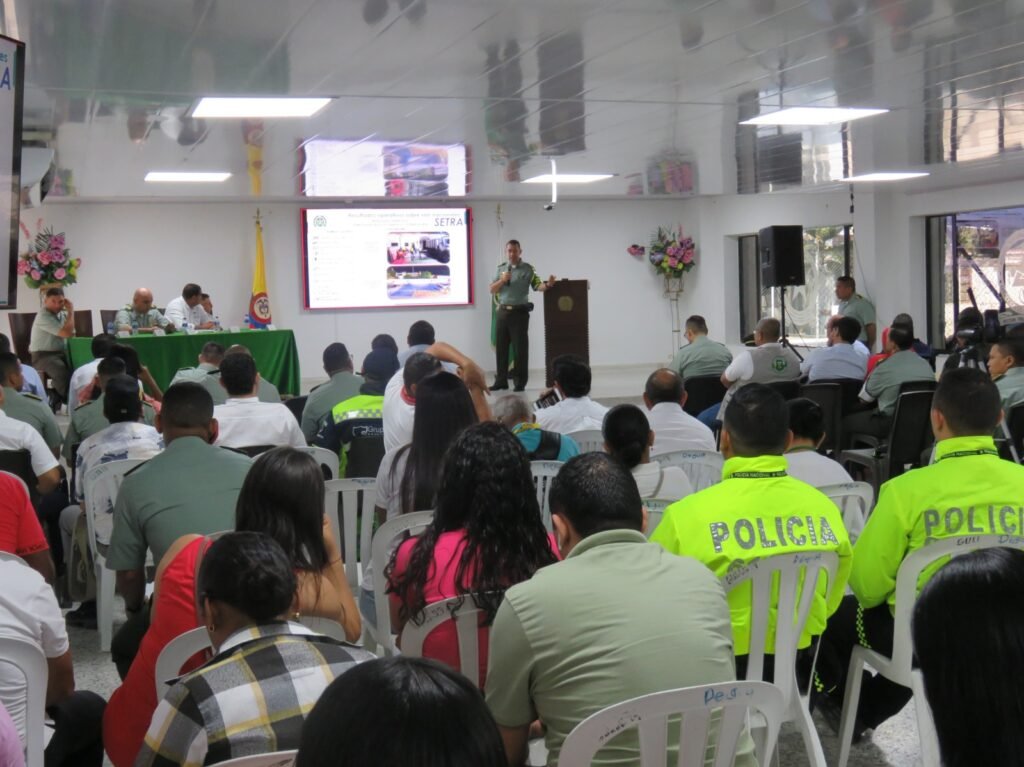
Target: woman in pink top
(486,535)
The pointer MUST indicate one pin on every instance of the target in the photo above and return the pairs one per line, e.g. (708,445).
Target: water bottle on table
(135,327)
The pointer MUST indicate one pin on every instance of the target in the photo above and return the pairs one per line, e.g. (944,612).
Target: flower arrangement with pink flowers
(671,252)
(47,261)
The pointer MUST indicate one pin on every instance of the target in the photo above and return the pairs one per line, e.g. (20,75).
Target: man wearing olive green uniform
(852,304)
(1006,366)
(27,408)
(207,373)
(756,511)
(701,356)
(140,314)
(511,291)
(53,325)
(343,384)
(968,491)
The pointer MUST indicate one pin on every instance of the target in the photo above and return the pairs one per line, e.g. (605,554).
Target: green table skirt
(277,357)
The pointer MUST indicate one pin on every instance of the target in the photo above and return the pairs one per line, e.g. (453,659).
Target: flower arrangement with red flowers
(47,260)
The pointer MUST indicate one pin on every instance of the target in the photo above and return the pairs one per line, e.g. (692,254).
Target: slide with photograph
(359,258)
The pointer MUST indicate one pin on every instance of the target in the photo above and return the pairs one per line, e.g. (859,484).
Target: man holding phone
(54,324)
(511,289)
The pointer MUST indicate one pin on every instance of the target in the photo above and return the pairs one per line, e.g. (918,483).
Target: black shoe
(519,388)
(498,386)
(84,616)
(831,711)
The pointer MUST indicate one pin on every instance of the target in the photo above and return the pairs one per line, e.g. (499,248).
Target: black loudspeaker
(781,249)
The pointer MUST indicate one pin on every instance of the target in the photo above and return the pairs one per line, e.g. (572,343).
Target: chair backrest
(365,454)
(387,535)
(788,389)
(19,463)
(354,497)
(1015,424)
(326,626)
(107,317)
(797,578)
(589,440)
(702,392)
(83,323)
(850,388)
(655,511)
(911,431)
(466,614)
(254,450)
(100,486)
(829,397)
(544,473)
(924,384)
(698,741)
(21,334)
(296,405)
(29,659)
(855,500)
(174,655)
(274,759)
(327,459)
(702,467)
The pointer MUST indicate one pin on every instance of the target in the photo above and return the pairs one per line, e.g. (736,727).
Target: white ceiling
(639,88)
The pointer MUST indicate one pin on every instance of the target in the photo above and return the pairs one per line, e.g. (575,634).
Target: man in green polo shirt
(618,618)
(852,304)
(701,356)
(511,291)
(191,487)
(140,316)
(52,327)
(27,408)
(343,384)
(1006,366)
(969,490)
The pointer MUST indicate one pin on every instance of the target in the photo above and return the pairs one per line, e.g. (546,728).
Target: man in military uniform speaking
(511,289)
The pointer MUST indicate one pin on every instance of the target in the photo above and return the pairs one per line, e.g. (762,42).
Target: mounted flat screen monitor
(362,258)
(12,87)
(336,168)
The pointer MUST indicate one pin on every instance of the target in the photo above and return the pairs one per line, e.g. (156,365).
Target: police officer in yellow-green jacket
(968,490)
(756,511)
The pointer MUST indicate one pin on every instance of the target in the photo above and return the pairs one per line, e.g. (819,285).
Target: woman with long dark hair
(628,438)
(486,535)
(408,477)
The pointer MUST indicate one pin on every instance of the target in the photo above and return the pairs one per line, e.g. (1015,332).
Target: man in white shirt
(33,383)
(187,308)
(576,411)
(84,375)
(17,435)
(839,359)
(674,428)
(244,420)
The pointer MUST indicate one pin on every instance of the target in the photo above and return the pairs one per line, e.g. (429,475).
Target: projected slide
(12,83)
(370,258)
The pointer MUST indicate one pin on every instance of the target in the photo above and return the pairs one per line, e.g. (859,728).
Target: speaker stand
(785,340)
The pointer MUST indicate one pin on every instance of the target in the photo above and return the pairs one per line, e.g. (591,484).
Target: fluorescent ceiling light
(568,178)
(813,116)
(203,177)
(887,176)
(258,107)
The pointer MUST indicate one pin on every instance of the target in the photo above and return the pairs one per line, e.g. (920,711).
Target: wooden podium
(566,323)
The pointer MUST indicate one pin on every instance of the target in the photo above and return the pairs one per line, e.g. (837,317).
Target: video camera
(995,326)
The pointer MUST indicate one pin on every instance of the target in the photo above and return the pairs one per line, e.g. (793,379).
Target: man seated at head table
(187,308)
(141,315)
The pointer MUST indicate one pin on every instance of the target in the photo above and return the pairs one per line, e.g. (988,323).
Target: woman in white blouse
(628,438)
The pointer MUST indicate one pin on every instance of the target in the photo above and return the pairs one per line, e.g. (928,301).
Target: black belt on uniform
(511,307)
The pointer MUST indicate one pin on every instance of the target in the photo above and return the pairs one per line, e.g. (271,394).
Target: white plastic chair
(655,511)
(589,440)
(543,474)
(327,459)
(855,500)
(326,626)
(100,487)
(28,658)
(898,668)
(698,705)
(275,759)
(703,467)
(174,655)
(356,496)
(797,577)
(386,537)
(466,614)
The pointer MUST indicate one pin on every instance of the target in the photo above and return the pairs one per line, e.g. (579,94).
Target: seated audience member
(839,359)
(133,366)
(343,384)
(486,536)
(186,309)
(576,411)
(245,592)
(33,383)
(27,408)
(84,374)
(401,711)
(516,415)
(29,611)
(565,643)
(206,372)
(140,316)
(951,497)
(701,356)
(1006,366)
(18,435)
(421,336)
(768,362)
(408,477)
(628,439)
(717,525)
(20,532)
(283,497)
(674,428)
(243,420)
(190,487)
(905,321)
(968,630)
(267,391)
(51,329)
(883,385)
(384,341)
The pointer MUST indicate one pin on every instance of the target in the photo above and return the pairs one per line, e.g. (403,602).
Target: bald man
(142,315)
